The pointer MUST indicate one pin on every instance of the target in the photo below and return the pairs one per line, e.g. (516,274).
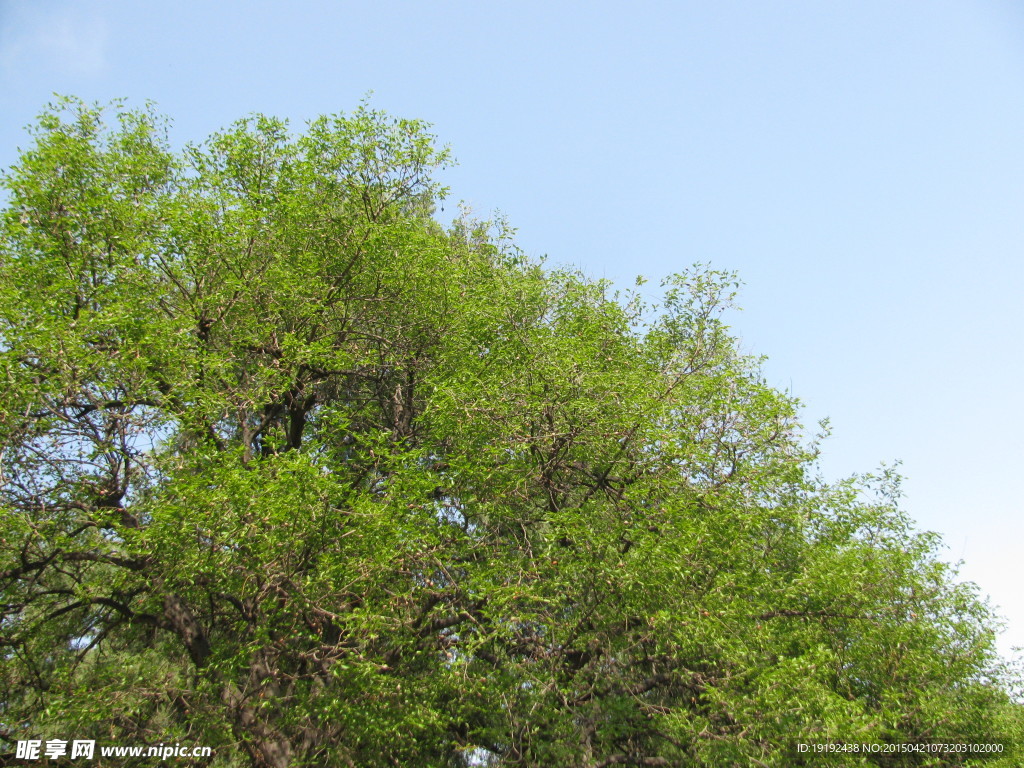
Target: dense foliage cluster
(291,470)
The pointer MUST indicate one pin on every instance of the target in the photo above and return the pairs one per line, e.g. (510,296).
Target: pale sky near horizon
(860,164)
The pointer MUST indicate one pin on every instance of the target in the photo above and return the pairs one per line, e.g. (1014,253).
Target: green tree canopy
(291,470)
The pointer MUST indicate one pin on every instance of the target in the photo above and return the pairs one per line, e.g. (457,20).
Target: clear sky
(860,163)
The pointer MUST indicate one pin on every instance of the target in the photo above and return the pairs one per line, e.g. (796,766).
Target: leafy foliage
(290,470)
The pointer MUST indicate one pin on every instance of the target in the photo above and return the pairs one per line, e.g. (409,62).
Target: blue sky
(859,163)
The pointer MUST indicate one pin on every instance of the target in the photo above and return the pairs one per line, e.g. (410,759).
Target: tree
(292,471)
